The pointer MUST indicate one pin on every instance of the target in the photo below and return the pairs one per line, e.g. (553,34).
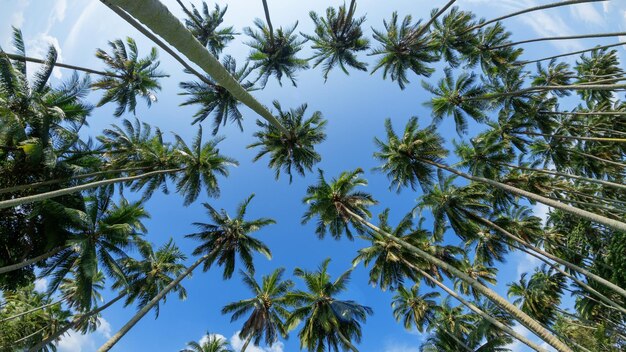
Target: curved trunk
(618,225)
(31,311)
(157,18)
(427,25)
(556,173)
(12,267)
(515,312)
(522,63)
(578,138)
(479,311)
(59,180)
(347,342)
(565,263)
(58,64)
(583,36)
(83,317)
(548,88)
(69,190)
(145,309)
(531,9)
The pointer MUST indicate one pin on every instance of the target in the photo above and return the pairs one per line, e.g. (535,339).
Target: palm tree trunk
(451,335)
(479,311)
(157,17)
(520,316)
(346,341)
(555,173)
(75,177)
(522,63)
(530,9)
(427,25)
(601,200)
(145,309)
(565,263)
(269,21)
(349,17)
(28,336)
(83,317)
(245,345)
(578,138)
(58,64)
(157,41)
(69,190)
(614,224)
(583,36)
(611,113)
(547,88)
(31,311)
(600,159)
(12,267)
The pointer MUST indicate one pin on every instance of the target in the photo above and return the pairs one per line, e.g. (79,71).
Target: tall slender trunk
(520,316)
(578,138)
(82,319)
(565,263)
(547,88)
(31,311)
(346,341)
(269,21)
(12,267)
(582,36)
(522,63)
(432,20)
(479,311)
(75,177)
(611,113)
(58,64)
(600,159)
(349,17)
(69,190)
(27,337)
(530,9)
(145,309)
(157,18)
(245,345)
(601,200)
(157,41)
(452,336)
(618,225)
(555,173)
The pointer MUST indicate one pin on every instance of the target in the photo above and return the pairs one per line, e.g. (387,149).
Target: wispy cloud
(238,343)
(76,342)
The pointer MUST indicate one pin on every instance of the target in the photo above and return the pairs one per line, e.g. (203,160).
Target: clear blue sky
(355,107)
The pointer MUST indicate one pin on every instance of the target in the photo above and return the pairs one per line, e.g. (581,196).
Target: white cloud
(105,328)
(587,13)
(38,47)
(206,338)
(237,344)
(541,210)
(74,341)
(41,284)
(396,347)
(526,263)
(76,30)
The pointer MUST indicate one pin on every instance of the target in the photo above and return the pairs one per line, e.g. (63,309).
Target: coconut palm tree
(451,37)
(540,295)
(401,50)
(212,343)
(221,242)
(415,309)
(214,99)
(329,323)
(129,77)
(205,27)
(267,309)
(337,39)
(293,149)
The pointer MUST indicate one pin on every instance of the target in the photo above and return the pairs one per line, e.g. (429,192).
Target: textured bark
(12,267)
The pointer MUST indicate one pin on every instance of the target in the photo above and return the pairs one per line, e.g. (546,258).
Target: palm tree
(204,27)
(130,76)
(337,39)
(267,309)
(402,50)
(168,27)
(295,147)
(214,99)
(275,53)
(221,242)
(568,37)
(329,323)
(540,295)
(450,36)
(597,47)
(212,343)
(414,309)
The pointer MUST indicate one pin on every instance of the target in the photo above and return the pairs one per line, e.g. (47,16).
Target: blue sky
(355,107)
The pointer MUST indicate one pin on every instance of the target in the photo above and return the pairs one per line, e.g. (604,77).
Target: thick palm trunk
(614,224)
(145,309)
(432,20)
(82,319)
(75,177)
(347,342)
(31,311)
(57,64)
(157,18)
(12,267)
(546,89)
(530,9)
(69,190)
(480,312)
(578,138)
(520,316)
(583,36)
(522,63)
(575,177)
(565,263)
